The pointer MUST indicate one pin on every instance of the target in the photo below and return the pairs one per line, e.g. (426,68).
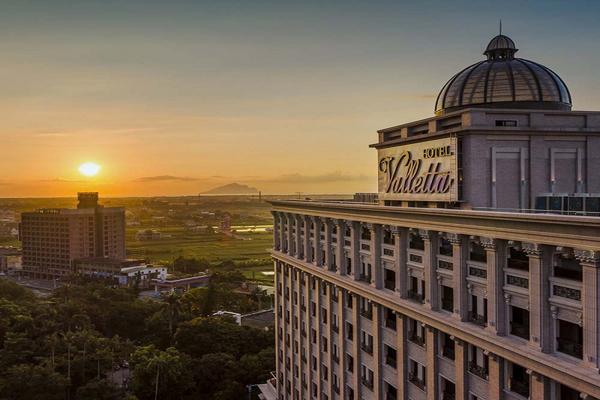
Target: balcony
(570,347)
(367,313)
(415,380)
(478,370)
(519,387)
(365,278)
(416,339)
(517,278)
(415,296)
(335,328)
(368,383)
(477,269)
(477,319)
(445,263)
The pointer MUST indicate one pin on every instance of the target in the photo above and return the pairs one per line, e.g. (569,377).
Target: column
(342,340)
(298,220)
(459,274)
(376,267)
(495,377)
(496,260)
(540,267)
(431,344)
(540,386)
(401,370)
(340,254)
(318,256)
(356,350)
(590,264)
(277,231)
(328,261)
(355,228)
(307,244)
(279,368)
(400,255)
(460,367)
(308,292)
(377,351)
(430,269)
(291,247)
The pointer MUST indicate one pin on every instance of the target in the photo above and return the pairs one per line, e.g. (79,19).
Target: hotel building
(476,273)
(53,238)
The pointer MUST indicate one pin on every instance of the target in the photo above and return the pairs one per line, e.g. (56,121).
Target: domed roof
(504,81)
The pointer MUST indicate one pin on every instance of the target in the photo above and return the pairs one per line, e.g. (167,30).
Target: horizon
(173,99)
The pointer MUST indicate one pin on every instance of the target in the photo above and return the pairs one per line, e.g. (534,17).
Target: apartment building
(53,238)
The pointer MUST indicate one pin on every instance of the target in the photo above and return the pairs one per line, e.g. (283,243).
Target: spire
(500,26)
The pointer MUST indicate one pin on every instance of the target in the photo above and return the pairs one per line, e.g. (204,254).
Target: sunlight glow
(89,168)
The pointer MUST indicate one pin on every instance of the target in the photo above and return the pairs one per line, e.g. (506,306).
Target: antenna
(500,26)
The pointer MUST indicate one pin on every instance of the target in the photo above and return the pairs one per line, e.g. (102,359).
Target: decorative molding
(554,312)
(488,243)
(455,238)
(588,256)
(532,249)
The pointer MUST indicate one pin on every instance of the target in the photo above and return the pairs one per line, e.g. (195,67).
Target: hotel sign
(423,171)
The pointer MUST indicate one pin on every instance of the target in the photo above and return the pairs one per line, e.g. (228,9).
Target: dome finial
(500,26)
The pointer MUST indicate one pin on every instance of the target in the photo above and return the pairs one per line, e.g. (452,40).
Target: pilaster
(540,267)
(496,261)
(459,275)
(460,368)
(401,354)
(432,286)
(400,255)
(340,253)
(375,246)
(590,264)
(432,377)
(496,377)
(355,228)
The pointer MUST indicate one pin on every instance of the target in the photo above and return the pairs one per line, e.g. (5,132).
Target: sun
(89,168)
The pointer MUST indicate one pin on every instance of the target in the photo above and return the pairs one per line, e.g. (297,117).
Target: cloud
(165,178)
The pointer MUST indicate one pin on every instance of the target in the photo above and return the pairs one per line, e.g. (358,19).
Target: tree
(161,374)
(99,389)
(32,382)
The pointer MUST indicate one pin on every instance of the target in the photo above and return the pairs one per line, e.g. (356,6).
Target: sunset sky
(177,97)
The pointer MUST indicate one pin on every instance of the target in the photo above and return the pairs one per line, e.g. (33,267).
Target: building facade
(458,283)
(52,239)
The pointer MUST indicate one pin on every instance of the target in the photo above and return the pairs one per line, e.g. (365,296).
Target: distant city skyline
(178,98)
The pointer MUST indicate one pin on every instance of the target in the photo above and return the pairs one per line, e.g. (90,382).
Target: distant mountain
(232,188)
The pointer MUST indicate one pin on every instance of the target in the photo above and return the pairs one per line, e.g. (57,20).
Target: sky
(178,97)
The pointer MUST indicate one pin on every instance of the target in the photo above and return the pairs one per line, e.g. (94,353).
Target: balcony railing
(445,262)
(477,319)
(566,288)
(478,370)
(570,347)
(413,337)
(477,269)
(367,313)
(414,295)
(365,278)
(519,387)
(415,380)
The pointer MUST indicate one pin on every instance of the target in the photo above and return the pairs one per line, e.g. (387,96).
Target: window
(519,323)
(349,266)
(477,252)
(506,122)
(517,259)
(447,345)
(366,376)
(390,355)
(447,298)
(518,381)
(349,300)
(477,313)
(349,363)
(416,374)
(445,247)
(478,362)
(389,277)
(416,333)
(448,389)
(366,342)
(390,319)
(391,393)
(566,266)
(349,331)
(570,339)
(416,242)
